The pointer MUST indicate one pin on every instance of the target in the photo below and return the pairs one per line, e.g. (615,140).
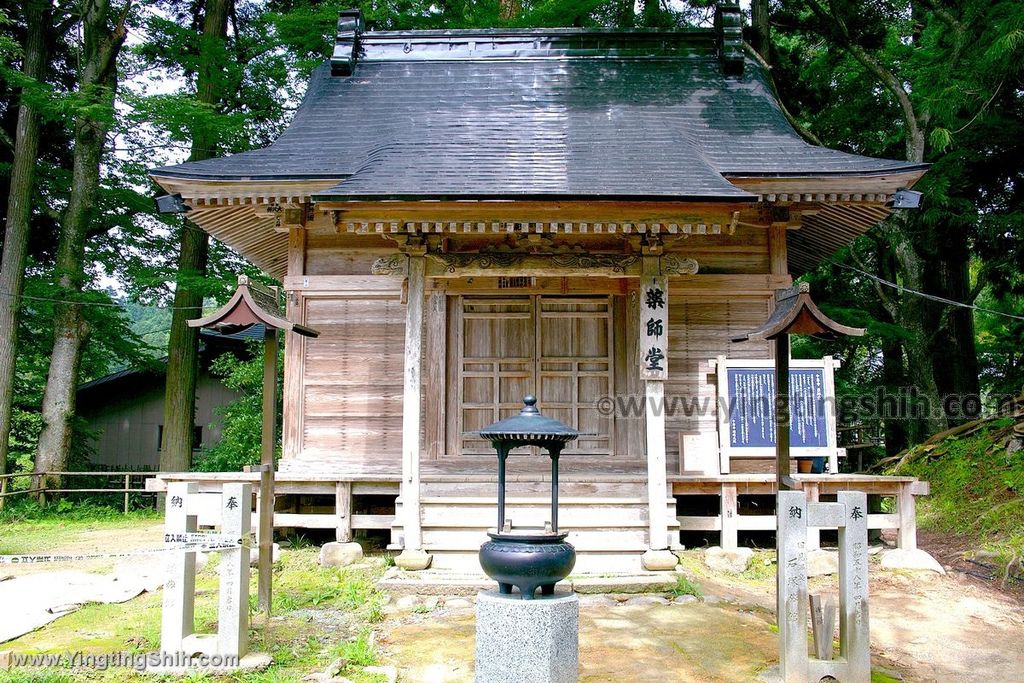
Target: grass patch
(761,568)
(21,535)
(685,587)
(320,615)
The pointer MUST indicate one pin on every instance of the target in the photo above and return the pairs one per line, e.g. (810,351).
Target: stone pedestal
(527,641)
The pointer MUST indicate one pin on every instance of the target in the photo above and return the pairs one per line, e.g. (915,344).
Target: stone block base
(527,641)
(659,560)
(413,560)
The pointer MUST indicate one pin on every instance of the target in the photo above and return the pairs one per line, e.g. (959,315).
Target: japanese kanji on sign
(654,328)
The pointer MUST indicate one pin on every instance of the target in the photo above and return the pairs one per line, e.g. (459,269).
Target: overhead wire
(925,295)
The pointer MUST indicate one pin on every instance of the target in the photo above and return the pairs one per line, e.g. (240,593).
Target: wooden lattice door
(560,348)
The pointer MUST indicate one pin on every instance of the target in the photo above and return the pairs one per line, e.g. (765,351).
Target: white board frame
(726,451)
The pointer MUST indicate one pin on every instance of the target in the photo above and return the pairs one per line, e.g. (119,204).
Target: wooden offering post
(253,304)
(795,313)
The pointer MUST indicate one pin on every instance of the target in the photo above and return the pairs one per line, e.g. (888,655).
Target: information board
(752,408)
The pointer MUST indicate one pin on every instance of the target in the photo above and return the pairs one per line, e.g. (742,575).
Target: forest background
(93,279)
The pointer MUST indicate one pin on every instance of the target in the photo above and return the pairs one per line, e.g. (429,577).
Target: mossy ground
(977,488)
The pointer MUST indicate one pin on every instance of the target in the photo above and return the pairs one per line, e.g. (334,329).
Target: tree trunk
(896,424)
(183,345)
(97,82)
(761,24)
(954,357)
(913,316)
(19,212)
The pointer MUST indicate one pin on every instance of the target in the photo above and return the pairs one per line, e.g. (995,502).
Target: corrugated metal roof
(536,114)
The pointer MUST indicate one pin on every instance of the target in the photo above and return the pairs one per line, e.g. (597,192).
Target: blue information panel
(752,408)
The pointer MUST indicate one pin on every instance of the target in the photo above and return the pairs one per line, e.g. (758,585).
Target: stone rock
(334,668)
(540,636)
(685,599)
(910,560)
(597,600)
(336,554)
(407,602)
(647,600)
(390,673)
(458,603)
(413,560)
(647,583)
(732,561)
(822,562)
(275,555)
(659,560)
(430,602)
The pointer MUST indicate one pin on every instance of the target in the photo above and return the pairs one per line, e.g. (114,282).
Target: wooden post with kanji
(251,305)
(654,327)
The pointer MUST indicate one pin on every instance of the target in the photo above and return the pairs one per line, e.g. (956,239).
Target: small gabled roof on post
(251,304)
(796,313)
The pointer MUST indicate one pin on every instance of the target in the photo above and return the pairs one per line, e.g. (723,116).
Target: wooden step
(602,540)
(569,517)
(533,488)
(587,562)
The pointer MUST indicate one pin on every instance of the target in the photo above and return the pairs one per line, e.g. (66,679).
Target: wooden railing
(41,490)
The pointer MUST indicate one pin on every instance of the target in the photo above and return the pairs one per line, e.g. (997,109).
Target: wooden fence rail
(43,490)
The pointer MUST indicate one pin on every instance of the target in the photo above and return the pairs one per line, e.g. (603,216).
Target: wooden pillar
(268,445)
(654,371)
(778,256)
(434,374)
(343,511)
(730,523)
(412,556)
(782,411)
(906,536)
(294,351)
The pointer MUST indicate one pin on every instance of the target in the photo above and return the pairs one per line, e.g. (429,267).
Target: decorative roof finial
(729,27)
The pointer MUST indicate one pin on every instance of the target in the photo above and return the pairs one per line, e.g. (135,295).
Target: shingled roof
(536,114)
(493,121)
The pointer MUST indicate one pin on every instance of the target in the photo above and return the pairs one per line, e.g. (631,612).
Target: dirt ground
(924,627)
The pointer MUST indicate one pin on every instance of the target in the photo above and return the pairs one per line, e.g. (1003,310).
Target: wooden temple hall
(469,216)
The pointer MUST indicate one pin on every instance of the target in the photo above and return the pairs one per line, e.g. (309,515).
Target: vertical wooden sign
(654,327)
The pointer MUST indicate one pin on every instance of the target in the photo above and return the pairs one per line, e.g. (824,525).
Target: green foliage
(241,420)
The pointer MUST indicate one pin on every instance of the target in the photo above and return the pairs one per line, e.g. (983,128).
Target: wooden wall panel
(352,411)
(699,330)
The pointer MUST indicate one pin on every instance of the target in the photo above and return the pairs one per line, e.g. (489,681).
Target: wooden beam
(503,211)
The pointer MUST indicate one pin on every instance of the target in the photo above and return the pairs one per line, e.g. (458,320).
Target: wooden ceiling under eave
(256,232)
